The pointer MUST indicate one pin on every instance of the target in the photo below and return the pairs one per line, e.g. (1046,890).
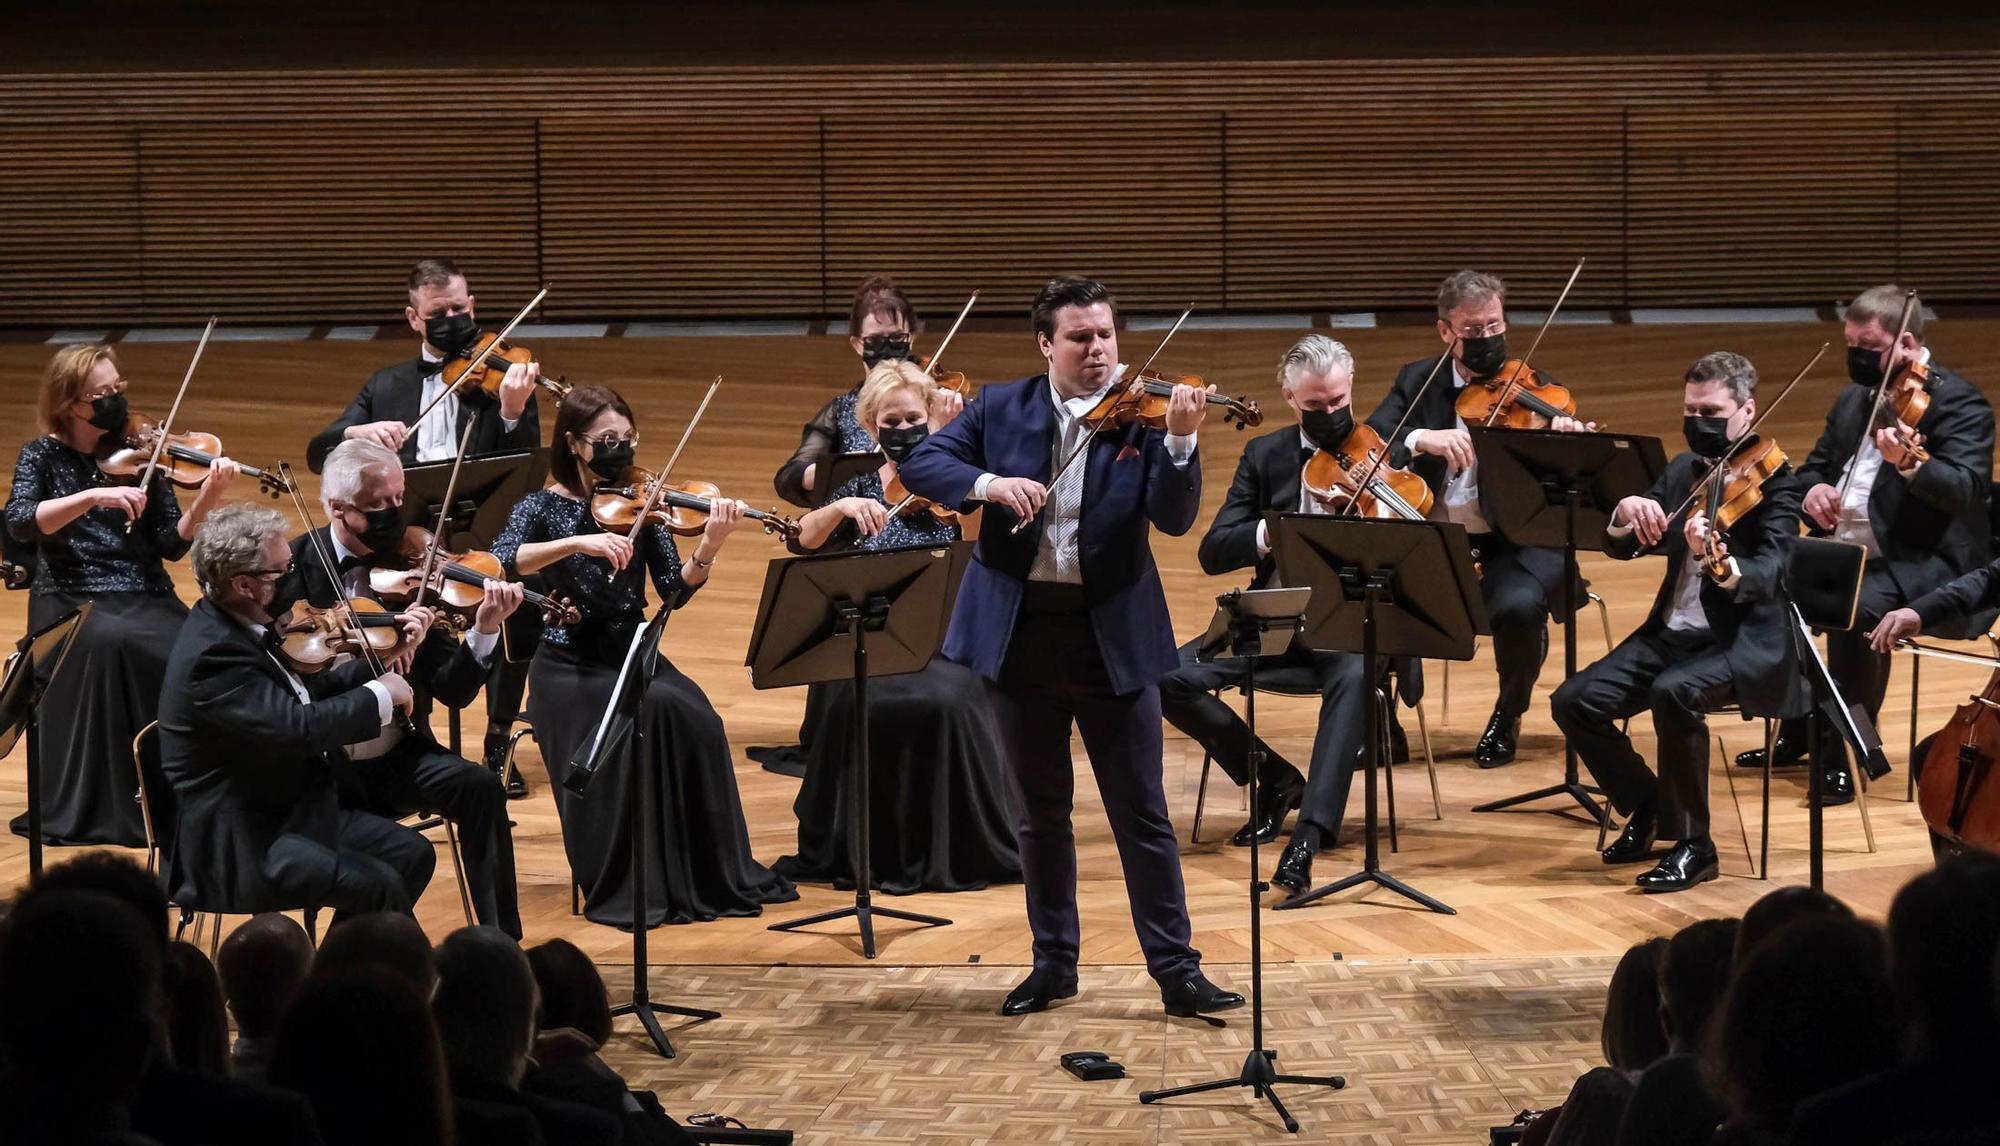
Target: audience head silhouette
(573,993)
(1694,973)
(1944,930)
(359,1043)
(385,939)
(262,965)
(1632,1036)
(485,1007)
(1778,910)
(197,1028)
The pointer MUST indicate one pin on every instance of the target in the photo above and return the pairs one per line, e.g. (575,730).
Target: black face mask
(878,348)
(450,334)
(1327,428)
(1485,355)
(610,462)
(385,529)
(899,441)
(108,413)
(1864,366)
(1708,437)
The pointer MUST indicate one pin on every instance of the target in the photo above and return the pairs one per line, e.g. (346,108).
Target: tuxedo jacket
(1751,621)
(444,669)
(1932,526)
(1267,481)
(247,760)
(395,394)
(1130,487)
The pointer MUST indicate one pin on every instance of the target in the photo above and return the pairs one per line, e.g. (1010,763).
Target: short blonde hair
(889,376)
(1883,306)
(63,382)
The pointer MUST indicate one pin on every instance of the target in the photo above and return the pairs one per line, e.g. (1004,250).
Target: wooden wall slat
(1254,185)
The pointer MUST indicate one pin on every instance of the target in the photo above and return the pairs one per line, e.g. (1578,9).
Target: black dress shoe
(1275,802)
(1836,787)
(1037,991)
(1399,744)
(1295,867)
(1496,747)
(1789,754)
(1198,996)
(1686,863)
(1635,843)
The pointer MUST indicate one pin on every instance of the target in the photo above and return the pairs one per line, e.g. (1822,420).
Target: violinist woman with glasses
(103,540)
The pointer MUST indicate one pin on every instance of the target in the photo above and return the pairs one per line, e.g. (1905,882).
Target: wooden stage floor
(1533,900)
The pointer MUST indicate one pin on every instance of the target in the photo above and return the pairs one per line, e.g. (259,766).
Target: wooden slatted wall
(1246,186)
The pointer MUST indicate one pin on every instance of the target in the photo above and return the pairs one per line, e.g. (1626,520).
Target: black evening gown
(109,686)
(699,864)
(941,804)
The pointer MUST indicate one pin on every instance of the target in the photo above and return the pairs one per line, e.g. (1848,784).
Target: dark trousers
(1861,673)
(419,777)
(1188,702)
(1054,678)
(1680,677)
(508,678)
(373,864)
(1518,603)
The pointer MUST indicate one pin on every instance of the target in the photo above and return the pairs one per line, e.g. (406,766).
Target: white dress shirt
(1461,490)
(1056,557)
(437,433)
(1684,611)
(1307,504)
(1866,465)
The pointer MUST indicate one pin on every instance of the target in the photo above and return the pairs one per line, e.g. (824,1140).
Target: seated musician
(878,329)
(1317,379)
(944,810)
(1713,637)
(1521,586)
(440,312)
(98,539)
(1923,522)
(249,746)
(400,771)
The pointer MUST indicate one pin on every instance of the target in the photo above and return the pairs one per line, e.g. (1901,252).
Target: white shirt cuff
(1616,530)
(1735,577)
(1180,447)
(482,645)
(979,487)
(385,707)
(1263,539)
(508,424)
(1410,440)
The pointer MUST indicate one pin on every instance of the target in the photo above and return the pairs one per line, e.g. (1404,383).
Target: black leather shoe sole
(1637,853)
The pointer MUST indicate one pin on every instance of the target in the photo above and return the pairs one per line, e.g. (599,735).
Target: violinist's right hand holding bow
(612,547)
(1822,505)
(389,435)
(1023,497)
(1454,446)
(1897,625)
(1643,516)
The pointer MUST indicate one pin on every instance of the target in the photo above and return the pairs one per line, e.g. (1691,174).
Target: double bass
(1958,777)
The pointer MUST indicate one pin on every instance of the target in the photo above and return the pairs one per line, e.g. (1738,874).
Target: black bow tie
(349,563)
(270,639)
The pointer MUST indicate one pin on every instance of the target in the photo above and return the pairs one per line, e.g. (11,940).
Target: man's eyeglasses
(1498,326)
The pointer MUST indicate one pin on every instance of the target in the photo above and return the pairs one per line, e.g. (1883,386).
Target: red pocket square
(1130,451)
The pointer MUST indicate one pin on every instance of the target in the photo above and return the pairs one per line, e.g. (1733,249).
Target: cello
(1958,769)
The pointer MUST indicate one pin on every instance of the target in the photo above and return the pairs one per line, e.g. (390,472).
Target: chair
(1761,866)
(1603,617)
(1411,699)
(524,728)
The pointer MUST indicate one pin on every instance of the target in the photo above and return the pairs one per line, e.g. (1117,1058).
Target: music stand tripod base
(1261,1077)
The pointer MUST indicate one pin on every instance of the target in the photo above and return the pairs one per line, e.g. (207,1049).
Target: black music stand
(1557,491)
(1380,589)
(839,469)
(1239,630)
(20,700)
(812,626)
(622,724)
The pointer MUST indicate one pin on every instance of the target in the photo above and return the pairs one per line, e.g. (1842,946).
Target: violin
(1909,395)
(457,581)
(1515,396)
(311,638)
(1142,396)
(1334,477)
(1729,493)
(901,500)
(185,461)
(682,508)
(484,370)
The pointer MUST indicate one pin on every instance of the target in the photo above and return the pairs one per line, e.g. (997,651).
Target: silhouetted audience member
(386,939)
(1671,1105)
(1631,1039)
(262,965)
(79,992)
(197,1026)
(1809,1011)
(1944,933)
(574,1024)
(1779,909)
(485,1005)
(117,876)
(361,1046)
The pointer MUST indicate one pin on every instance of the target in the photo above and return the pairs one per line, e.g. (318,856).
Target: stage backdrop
(303,195)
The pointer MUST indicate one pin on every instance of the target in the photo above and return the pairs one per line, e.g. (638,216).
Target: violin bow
(1092,427)
(166,427)
(1918,649)
(931,367)
(1353,505)
(1521,367)
(1750,430)
(352,623)
(479,359)
(430,566)
(659,489)
(1881,390)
